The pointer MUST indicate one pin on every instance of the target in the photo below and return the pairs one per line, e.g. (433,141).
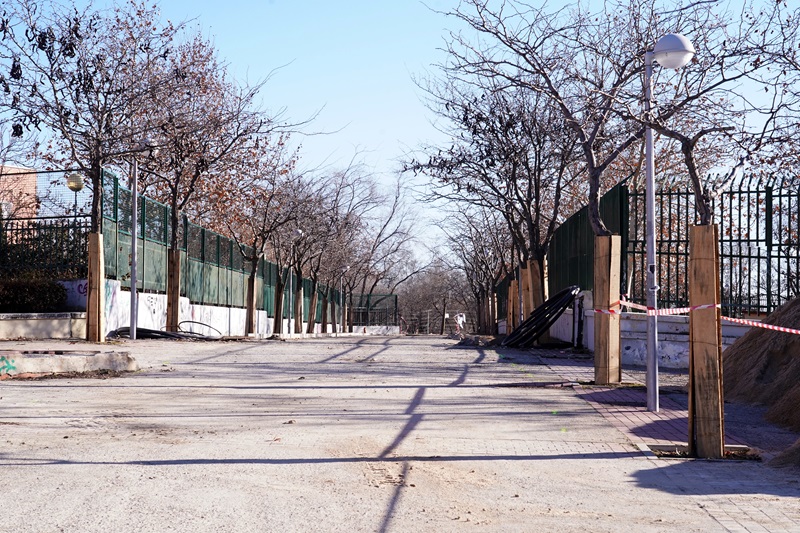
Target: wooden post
(706,420)
(96,297)
(607,253)
(538,293)
(512,314)
(174,290)
(527,300)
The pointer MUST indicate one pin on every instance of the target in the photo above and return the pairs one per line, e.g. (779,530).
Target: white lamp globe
(673,51)
(75,182)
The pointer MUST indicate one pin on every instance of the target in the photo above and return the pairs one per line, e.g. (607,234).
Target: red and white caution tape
(610,311)
(684,310)
(761,325)
(662,312)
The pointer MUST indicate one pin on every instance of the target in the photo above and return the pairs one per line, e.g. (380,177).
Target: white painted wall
(203,319)
(673,335)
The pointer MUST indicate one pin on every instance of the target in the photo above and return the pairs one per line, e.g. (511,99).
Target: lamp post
(146,148)
(671,51)
(75,184)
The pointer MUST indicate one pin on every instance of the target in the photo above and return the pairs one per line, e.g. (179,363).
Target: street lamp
(145,147)
(671,51)
(75,184)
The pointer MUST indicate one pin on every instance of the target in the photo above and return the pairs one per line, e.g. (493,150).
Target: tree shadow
(699,477)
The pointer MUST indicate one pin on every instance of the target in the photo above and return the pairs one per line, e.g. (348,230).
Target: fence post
(706,422)
(768,222)
(606,298)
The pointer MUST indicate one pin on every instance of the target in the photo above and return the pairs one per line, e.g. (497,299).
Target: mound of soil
(763,367)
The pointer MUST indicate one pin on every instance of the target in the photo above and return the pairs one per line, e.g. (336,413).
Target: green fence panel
(194,280)
(111,250)
(571,254)
(155,267)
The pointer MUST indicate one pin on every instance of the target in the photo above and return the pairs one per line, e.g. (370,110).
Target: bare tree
(512,153)
(261,191)
(81,75)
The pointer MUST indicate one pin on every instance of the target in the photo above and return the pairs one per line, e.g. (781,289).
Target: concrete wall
(673,335)
(152,314)
(43,326)
(203,319)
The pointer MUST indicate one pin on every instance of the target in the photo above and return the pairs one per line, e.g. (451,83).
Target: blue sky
(351,61)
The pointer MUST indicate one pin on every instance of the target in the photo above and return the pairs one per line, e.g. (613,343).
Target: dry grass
(763,367)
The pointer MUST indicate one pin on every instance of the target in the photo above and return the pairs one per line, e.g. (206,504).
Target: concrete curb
(15,362)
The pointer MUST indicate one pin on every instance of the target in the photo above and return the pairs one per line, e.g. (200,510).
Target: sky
(350,63)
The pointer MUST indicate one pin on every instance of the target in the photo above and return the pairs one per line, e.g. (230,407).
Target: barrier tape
(610,311)
(664,312)
(683,310)
(761,325)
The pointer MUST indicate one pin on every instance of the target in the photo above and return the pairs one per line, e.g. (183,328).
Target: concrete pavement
(369,434)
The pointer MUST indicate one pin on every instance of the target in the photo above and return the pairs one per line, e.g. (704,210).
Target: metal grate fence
(759,246)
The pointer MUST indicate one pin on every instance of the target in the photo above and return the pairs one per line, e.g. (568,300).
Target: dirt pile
(763,367)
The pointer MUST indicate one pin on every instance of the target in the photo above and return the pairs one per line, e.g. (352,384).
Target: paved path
(358,434)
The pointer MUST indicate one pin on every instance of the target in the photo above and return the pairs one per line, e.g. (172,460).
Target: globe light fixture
(75,184)
(673,51)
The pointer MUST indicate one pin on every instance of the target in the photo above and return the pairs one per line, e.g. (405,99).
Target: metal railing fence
(759,223)
(53,248)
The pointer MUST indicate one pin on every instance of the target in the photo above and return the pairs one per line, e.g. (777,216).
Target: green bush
(31,296)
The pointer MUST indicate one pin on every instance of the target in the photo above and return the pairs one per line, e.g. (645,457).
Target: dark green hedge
(32,296)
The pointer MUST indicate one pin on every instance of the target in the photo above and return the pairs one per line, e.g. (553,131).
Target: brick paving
(742,501)
(625,406)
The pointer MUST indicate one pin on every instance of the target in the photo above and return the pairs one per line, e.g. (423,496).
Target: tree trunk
(250,318)
(312,307)
(173,289)
(325,298)
(298,305)
(444,316)
(598,227)
(174,273)
(280,286)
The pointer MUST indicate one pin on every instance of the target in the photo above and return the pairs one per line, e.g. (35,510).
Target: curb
(16,363)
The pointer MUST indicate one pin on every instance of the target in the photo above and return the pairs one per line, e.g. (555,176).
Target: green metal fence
(759,224)
(213,270)
(571,253)
(53,248)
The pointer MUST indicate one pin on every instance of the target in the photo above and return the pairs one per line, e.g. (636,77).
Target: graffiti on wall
(6,365)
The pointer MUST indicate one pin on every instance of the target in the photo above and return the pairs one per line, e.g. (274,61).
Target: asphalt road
(350,434)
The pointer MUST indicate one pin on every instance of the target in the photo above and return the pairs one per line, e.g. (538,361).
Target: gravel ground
(348,434)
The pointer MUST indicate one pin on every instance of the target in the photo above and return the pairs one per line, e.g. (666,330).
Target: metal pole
(650,209)
(134,235)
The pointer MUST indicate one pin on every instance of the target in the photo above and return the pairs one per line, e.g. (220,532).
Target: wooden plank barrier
(607,254)
(706,421)
(96,295)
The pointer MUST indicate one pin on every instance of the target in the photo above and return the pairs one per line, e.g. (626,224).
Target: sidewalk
(625,406)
